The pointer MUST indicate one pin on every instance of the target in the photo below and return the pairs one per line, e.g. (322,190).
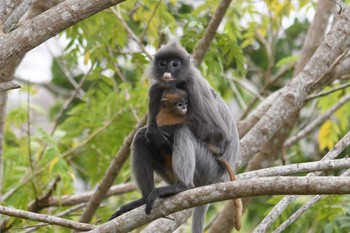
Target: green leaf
(287,61)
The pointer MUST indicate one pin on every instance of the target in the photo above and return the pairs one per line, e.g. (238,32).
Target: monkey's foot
(166,191)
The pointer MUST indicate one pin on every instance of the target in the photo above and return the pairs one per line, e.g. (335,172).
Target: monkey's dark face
(169,69)
(180,108)
(171,64)
(175,102)
(177,108)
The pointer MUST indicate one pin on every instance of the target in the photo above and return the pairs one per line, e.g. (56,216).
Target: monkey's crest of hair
(174,50)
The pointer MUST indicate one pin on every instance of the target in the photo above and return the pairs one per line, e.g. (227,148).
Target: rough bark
(46,25)
(9,85)
(315,33)
(169,224)
(225,191)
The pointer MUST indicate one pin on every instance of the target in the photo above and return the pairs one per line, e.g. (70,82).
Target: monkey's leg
(183,166)
(142,160)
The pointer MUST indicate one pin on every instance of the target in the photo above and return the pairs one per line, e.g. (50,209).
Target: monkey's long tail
(237,203)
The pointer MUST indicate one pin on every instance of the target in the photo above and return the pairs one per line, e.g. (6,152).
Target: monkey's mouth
(167,77)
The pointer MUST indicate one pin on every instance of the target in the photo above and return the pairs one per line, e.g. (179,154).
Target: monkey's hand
(159,137)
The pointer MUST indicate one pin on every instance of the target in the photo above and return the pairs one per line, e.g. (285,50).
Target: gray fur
(198,217)
(209,121)
(184,163)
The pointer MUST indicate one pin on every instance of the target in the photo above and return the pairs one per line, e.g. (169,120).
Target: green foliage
(334,128)
(250,47)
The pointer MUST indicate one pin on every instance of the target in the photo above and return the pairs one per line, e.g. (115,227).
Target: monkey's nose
(167,77)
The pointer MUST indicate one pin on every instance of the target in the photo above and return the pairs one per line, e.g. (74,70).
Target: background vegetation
(255,52)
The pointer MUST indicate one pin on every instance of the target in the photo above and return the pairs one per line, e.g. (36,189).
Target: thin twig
(70,78)
(297,168)
(64,109)
(130,32)
(273,79)
(61,214)
(341,87)
(319,120)
(45,218)
(284,203)
(331,67)
(69,101)
(302,210)
(150,19)
(36,206)
(202,47)
(68,200)
(30,159)
(271,60)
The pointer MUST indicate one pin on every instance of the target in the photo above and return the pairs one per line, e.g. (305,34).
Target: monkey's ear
(164,102)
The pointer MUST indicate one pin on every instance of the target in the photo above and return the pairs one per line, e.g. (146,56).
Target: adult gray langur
(196,146)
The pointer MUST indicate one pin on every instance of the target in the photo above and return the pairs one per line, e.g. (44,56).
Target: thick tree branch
(46,25)
(293,96)
(225,191)
(45,218)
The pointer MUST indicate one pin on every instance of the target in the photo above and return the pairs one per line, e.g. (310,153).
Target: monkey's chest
(166,118)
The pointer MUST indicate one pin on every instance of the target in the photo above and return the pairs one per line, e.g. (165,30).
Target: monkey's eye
(179,105)
(162,63)
(175,63)
(186,102)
